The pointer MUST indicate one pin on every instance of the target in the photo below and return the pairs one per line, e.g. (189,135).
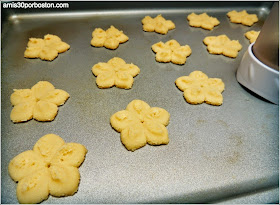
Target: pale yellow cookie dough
(198,88)
(171,51)
(202,20)
(242,17)
(45,49)
(222,45)
(51,168)
(157,24)
(40,102)
(111,38)
(252,35)
(115,72)
(140,124)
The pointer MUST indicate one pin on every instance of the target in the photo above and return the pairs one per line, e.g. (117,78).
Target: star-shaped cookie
(45,49)
(111,38)
(242,17)
(252,35)
(171,51)
(115,72)
(140,124)
(40,102)
(157,24)
(222,45)
(50,168)
(198,88)
(203,21)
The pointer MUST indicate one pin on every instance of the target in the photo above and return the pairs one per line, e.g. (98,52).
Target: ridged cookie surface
(50,168)
(140,124)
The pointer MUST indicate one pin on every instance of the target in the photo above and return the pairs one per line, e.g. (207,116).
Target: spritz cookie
(140,124)
(116,72)
(111,38)
(252,35)
(242,17)
(157,24)
(202,20)
(51,168)
(222,45)
(198,88)
(45,49)
(40,102)
(171,51)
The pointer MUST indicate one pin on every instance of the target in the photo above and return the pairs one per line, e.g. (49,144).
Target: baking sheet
(215,154)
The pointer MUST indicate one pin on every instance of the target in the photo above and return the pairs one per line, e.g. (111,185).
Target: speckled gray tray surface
(215,154)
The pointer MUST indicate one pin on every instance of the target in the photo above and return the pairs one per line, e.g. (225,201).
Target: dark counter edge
(88,6)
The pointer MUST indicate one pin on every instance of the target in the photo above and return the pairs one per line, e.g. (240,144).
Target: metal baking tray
(224,154)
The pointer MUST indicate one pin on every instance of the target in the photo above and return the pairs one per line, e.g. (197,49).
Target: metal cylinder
(266,47)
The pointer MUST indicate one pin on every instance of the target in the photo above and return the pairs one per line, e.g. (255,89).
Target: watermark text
(34,5)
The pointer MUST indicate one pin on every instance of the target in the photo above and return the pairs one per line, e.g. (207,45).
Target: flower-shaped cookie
(140,124)
(40,102)
(203,21)
(157,24)
(198,88)
(46,49)
(252,35)
(111,38)
(242,17)
(222,45)
(171,51)
(115,72)
(50,168)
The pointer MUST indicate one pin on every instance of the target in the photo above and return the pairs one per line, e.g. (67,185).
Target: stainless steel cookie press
(259,67)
